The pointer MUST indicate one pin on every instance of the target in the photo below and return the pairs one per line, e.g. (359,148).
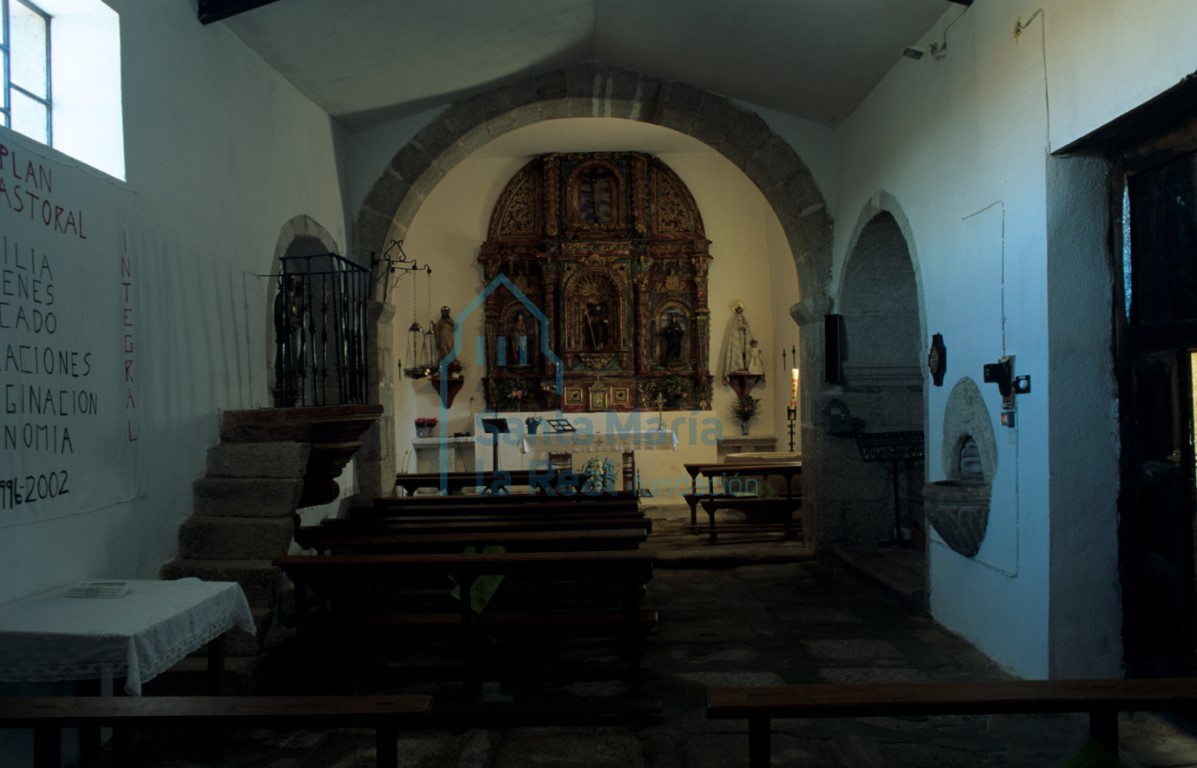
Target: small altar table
(562,445)
(51,636)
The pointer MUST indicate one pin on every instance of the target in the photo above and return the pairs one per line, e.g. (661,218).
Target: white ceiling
(366,61)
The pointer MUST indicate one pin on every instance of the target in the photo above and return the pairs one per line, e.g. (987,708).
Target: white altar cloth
(601,442)
(136,636)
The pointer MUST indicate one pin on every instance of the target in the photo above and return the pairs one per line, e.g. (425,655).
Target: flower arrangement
(599,476)
(513,391)
(745,408)
(425,425)
(674,389)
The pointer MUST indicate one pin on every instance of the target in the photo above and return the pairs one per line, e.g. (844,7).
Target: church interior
(591,327)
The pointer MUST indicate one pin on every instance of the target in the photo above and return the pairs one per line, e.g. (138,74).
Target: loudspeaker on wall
(833,355)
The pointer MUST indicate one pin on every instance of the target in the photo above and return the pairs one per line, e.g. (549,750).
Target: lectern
(495,427)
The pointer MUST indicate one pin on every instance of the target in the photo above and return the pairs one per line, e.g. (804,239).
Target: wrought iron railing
(320,331)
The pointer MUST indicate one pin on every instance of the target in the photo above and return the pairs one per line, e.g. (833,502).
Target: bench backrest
(477,525)
(930,698)
(344,540)
(464,505)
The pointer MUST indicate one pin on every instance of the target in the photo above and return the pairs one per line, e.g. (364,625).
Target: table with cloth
(51,636)
(562,445)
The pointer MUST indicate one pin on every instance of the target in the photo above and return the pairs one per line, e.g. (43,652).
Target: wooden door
(1158,525)
(1158,510)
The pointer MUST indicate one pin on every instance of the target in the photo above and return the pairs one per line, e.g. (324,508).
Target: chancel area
(597,383)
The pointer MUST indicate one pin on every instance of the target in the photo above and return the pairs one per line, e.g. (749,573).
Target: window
(26,51)
(61,78)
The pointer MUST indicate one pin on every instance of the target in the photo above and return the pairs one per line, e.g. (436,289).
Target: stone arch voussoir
(599,90)
(594,90)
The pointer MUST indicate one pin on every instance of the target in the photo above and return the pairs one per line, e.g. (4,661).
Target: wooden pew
(345,540)
(465,523)
(544,480)
(485,508)
(564,496)
(48,715)
(760,514)
(554,595)
(711,501)
(1102,700)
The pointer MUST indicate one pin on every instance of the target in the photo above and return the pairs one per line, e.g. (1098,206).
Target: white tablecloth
(137,636)
(601,442)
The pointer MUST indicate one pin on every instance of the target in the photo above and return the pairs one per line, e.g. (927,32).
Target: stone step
(282,460)
(246,497)
(234,538)
(258,578)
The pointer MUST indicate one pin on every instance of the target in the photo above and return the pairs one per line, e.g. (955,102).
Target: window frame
(9,86)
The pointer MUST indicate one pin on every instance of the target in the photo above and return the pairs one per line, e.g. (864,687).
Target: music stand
(892,447)
(495,427)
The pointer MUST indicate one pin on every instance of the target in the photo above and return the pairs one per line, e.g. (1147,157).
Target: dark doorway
(1160,277)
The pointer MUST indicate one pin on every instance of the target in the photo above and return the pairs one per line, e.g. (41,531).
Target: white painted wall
(221,152)
(960,144)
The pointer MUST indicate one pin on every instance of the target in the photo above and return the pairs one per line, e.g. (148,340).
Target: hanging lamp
(415,353)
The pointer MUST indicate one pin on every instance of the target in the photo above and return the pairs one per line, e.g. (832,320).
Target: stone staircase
(266,465)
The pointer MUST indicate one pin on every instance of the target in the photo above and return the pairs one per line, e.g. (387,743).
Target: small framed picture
(574,396)
(598,400)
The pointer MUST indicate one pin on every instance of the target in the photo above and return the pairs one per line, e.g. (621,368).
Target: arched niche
(299,236)
(882,385)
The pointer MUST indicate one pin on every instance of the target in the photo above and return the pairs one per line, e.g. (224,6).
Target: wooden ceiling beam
(208,11)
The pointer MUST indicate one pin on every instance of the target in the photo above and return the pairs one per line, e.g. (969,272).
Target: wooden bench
(481,507)
(472,524)
(1102,700)
(727,496)
(760,513)
(592,593)
(560,496)
(48,715)
(333,540)
(495,482)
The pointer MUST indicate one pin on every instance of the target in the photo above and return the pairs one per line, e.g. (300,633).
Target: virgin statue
(738,353)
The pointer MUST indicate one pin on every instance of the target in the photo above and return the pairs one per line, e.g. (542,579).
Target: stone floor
(739,612)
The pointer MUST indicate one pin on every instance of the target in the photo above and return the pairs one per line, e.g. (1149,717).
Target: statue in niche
(596,197)
(673,282)
(598,326)
(520,351)
(672,336)
(738,353)
(289,340)
(520,280)
(443,330)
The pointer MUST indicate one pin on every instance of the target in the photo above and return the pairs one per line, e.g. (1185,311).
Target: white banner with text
(69,433)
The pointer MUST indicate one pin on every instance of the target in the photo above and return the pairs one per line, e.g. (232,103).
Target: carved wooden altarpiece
(609,247)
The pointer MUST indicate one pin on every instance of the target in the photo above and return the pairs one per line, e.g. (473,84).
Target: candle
(793,387)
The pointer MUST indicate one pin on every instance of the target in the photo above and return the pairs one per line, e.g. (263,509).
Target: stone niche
(605,259)
(957,507)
